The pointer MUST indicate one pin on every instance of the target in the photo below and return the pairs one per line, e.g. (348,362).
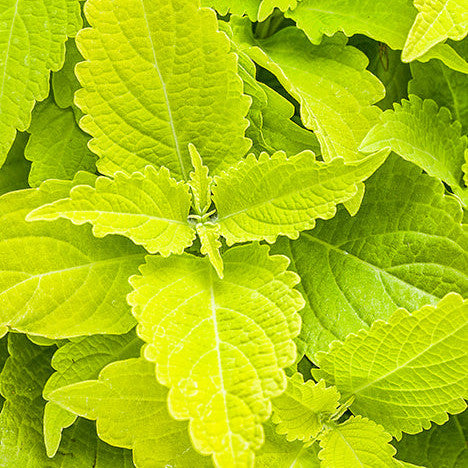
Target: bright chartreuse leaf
(438,446)
(406,247)
(21,382)
(377,19)
(256,10)
(301,411)
(150,208)
(208,234)
(56,279)
(433,80)
(356,443)
(279,132)
(277,452)
(204,332)
(272,196)
(130,408)
(57,147)
(32,38)
(425,135)
(335,92)
(147,96)
(200,183)
(436,21)
(79,360)
(14,173)
(407,372)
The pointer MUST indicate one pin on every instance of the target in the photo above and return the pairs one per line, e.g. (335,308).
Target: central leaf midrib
(164,89)
(74,268)
(218,353)
(409,361)
(69,214)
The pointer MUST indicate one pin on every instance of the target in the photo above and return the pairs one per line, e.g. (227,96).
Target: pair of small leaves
(405,373)
(402,374)
(255,200)
(305,412)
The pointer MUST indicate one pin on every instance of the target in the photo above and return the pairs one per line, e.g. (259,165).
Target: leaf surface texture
(407,372)
(201,342)
(144,103)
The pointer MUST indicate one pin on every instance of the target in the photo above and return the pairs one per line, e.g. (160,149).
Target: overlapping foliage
(232,233)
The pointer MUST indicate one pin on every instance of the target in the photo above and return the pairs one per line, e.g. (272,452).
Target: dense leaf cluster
(232,233)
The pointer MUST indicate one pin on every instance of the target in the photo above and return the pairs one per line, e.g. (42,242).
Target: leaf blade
(226,413)
(430,343)
(154,125)
(150,208)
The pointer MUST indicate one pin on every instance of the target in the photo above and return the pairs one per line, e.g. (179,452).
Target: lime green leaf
(439,446)
(407,372)
(32,38)
(279,131)
(376,19)
(203,332)
(76,361)
(425,135)
(357,443)
(432,80)
(64,82)
(257,10)
(302,409)
(21,383)
(56,279)
(124,390)
(277,452)
(261,199)
(210,244)
(200,183)
(170,76)
(436,21)
(150,208)
(405,248)
(329,81)
(14,173)
(57,147)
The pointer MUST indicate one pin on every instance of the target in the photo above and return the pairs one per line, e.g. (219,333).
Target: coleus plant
(232,233)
